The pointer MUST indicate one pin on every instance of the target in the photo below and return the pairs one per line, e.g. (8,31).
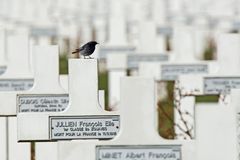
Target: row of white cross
(33,92)
(27,11)
(78,19)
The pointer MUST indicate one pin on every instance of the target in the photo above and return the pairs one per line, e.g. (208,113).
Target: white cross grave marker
(17,77)
(216,132)
(117,64)
(83,110)
(138,137)
(3,55)
(183,64)
(219,83)
(117,42)
(235,103)
(47,94)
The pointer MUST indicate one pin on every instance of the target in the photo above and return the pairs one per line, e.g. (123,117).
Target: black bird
(87,49)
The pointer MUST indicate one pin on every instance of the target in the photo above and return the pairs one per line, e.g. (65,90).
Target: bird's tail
(76,51)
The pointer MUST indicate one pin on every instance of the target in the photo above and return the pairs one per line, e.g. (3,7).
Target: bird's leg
(90,57)
(83,57)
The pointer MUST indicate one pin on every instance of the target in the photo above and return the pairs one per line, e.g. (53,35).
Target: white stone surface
(101,95)
(47,81)
(46,70)
(215,8)
(193,85)
(202,36)
(64,81)
(139,94)
(117,23)
(117,42)
(117,65)
(44,40)
(227,43)
(45,56)
(183,43)
(16,151)
(3,138)
(161,44)
(64,84)
(235,94)
(150,69)
(147,37)
(160,11)
(116,61)
(114,87)
(3,47)
(46,150)
(216,132)
(18,67)
(228,56)
(83,85)
(18,57)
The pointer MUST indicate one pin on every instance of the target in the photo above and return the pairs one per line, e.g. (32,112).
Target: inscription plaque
(84,127)
(16,84)
(114,49)
(138,152)
(42,102)
(164,30)
(220,85)
(134,59)
(171,72)
(37,31)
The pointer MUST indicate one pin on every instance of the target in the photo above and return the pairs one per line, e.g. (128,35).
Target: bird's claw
(88,57)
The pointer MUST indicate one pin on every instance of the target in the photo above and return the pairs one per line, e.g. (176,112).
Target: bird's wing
(82,48)
(76,51)
(79,49)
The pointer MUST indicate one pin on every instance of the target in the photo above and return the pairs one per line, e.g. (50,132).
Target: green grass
(208,99)
(210,50)
(103,85)
(63,64)
(165,114)
(166,111)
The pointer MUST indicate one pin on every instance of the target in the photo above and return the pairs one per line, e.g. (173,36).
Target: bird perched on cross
(87,49)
